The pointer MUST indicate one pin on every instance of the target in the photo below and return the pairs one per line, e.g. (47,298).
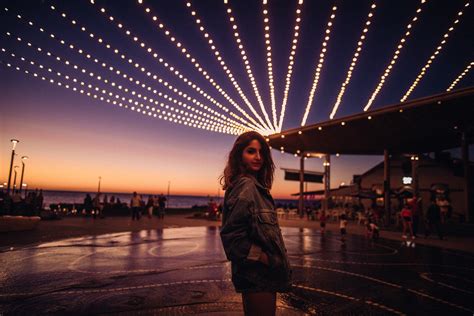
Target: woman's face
(252,156)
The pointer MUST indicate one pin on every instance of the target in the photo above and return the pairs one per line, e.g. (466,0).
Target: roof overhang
(423,125)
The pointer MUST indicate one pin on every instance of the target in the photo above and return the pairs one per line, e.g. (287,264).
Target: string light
(433,56)
(90,91)
(271,86)
(180,47)
(143,70)
(196,64)
(245,60)
(133,93)
(168,66)
(291,62)
(465,71)
(395,56)
(319,68)
(353,64)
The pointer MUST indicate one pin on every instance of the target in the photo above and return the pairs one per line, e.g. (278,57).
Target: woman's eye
(250,151)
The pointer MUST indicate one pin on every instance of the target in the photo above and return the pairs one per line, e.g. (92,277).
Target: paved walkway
(451,242)
(75,227)
(183,271)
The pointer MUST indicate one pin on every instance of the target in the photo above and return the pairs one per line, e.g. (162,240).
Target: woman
(250,232)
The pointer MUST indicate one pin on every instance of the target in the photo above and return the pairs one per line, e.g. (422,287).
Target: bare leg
(259,304)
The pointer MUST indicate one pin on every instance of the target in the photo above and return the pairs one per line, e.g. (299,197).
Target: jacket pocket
(267,217)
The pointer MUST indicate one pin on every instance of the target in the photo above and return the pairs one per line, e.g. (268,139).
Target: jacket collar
(257,183)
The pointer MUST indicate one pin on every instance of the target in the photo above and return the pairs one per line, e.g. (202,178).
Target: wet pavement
(182,271)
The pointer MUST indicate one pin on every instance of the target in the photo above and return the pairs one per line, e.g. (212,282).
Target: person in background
(88,204)
(112,202)
(104,207)
(156,206)
(322,222)
(162,206)
(407,223)
(39,200)
(149,206)
(415,210)
(343,227)
(212,209)
(96,206)
(136,204)
(433,220)
(373,231)
(309,213)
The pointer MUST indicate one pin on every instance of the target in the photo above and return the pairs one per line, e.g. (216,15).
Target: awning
(309,176)
(428,124)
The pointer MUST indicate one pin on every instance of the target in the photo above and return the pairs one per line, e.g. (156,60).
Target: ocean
(175,201)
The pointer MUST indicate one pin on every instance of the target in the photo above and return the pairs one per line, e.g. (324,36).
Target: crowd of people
(155,204)
(409,216)
(15,204)
(99,206)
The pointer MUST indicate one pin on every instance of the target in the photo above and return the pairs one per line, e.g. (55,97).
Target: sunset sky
(72,139)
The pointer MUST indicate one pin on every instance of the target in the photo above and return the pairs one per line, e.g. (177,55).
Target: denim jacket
(250,226)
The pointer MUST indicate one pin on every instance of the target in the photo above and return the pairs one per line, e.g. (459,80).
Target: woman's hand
(264,258)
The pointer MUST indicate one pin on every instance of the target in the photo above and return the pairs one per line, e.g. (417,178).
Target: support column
(414,176)
(467,185)
(327,181)
(301,201)
(386,186)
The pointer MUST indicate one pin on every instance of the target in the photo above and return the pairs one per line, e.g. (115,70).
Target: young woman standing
(250,232)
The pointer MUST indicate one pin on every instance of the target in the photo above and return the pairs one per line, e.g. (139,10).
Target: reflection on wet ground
(182,271)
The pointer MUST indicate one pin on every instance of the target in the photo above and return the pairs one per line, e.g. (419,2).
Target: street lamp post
(23,158)
(14,179)
(98,189)
(14,142)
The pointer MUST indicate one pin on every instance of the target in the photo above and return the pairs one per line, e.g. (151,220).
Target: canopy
(427,124)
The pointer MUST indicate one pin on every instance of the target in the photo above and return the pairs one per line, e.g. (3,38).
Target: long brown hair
(235,167)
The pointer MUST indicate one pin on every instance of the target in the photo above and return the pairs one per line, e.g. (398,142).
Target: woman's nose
(259,156)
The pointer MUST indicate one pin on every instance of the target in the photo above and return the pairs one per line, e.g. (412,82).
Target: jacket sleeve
(235,232)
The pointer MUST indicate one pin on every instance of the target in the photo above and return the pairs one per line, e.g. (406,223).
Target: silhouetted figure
(39,200)
(161,206)
(149,206)
(96,206)
(407,218)
(433,220)
(322,222)
(343,227)
(136,204)
(212,209)
(415,209)
(88,203)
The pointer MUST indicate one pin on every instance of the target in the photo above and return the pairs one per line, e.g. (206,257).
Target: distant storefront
(439,178)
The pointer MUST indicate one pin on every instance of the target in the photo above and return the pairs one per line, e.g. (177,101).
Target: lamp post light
(23,158)
(14,179)
(14,142)
(26,188)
